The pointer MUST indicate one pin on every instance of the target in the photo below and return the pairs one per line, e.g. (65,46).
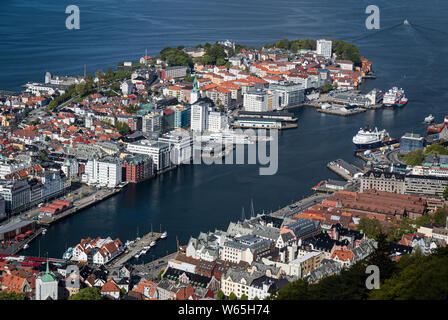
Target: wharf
(79,205)
(17,247)
(299,206)
(337,112)
(132,250)
(344,169)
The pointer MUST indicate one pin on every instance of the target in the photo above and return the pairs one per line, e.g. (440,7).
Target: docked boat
(394,97)
(138,254)
(402,101)
(44,231)
(164,234)
(434,128)
(153,243)
(429,119)
(26,246)
(68,254)
(368,138)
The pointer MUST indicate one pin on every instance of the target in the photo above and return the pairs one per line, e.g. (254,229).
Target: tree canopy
(416,277)
(90,293)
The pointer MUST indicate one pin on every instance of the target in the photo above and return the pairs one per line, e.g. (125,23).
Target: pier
(132,250)
(299,206)
(344,169)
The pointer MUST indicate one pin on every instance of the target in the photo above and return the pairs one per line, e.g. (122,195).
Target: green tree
(232,296)
(100,74)
(122,127)
(244,297)
(418,278)
(161,273)
(371,227)
(90,293)
(11,296)
(440,215)
(436,148)
(415,158)
(220,295)
(445,192)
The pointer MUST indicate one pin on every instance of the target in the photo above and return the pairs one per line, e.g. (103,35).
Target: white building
(323,48)
(104,172)
(158,151)
(46,286)
(198,117)
(217,122)
(126,87)
(260,100)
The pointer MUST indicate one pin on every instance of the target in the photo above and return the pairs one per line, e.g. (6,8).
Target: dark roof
(323,242)
(276,222)
(192,276)
(387,174)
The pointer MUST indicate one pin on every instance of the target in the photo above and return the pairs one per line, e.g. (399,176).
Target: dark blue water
(33,40)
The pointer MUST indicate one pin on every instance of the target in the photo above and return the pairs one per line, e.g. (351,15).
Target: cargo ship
(435,128)
(394,97)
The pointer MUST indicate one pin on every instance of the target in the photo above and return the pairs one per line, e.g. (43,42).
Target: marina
(138,248)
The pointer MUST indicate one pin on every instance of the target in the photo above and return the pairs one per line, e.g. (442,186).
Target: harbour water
(200,197)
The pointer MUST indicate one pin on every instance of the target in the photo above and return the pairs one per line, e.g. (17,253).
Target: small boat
(143,251)
(164,234)
(44,231)
(68,254)
(138,254)
(429,119)
(26,246)
(153,243)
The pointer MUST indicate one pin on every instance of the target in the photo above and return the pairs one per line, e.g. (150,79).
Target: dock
(132,250)
(79,205)
(341,112)
(344,169)
(299,206)
(17,247)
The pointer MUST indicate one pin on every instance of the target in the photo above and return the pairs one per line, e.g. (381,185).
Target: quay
(299,206)
(342,111)
(133,249)
(79,205)
(17,247)
(344,169)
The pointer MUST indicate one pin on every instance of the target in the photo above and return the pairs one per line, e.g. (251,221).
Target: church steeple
(195,85)
(195,94)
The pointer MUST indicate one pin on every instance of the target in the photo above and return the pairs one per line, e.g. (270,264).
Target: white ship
(153,243)
(164,235)
(369,138)
(394,97)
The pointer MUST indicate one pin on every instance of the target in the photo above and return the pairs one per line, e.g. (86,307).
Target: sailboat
(153,243)
(164,234)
